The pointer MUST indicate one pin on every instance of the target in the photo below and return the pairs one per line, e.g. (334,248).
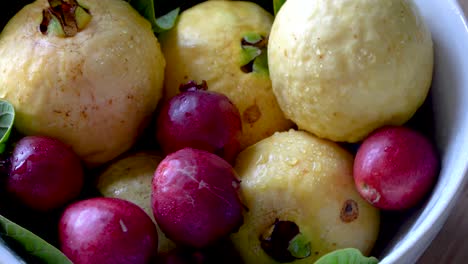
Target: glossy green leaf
(32,244)
(7,118)
(167,21)
(346,256)
(146,9)
(277,4)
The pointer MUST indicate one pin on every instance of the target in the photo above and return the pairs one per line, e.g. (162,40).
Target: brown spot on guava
(349,211)
(252,114)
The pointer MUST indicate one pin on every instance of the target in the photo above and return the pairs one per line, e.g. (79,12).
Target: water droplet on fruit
(291,161)
(261,160)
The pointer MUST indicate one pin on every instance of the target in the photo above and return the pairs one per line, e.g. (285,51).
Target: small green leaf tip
(277,4)
(346,256)
(159,25)
(167,21)
(7,119)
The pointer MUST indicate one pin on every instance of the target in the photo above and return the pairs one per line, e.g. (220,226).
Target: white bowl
(450,102)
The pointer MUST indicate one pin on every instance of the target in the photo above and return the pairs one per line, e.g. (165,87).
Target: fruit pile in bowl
(293,131)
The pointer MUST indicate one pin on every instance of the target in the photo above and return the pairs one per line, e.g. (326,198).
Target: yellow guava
(92,78)
(129,178)
(341,69)
(211,42)
(298,179)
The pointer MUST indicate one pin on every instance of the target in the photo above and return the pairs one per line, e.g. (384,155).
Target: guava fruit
(341,69)
(225,44)
(88,73)
(129,178)
(301,201)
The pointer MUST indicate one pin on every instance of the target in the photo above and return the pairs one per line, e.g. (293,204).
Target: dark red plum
(195,198)
(200,119)
(44,173)
(395,167)
(107,230)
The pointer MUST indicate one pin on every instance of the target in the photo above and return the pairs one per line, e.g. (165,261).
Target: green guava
(89,73)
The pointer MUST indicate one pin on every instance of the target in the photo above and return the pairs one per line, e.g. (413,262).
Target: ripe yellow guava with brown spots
(295,178)
(92,82)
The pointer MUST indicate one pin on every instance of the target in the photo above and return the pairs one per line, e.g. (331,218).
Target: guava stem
(64,18)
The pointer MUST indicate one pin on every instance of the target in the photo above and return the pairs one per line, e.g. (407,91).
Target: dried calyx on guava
(86,72)
(64,19)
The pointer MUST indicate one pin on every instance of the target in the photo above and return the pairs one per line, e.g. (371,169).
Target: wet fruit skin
(107,231)
(95,91)
(200,119)
(211,49)
(129,178)
(44,173)
(395,167)
(195,198)
(297,177)
(340,74)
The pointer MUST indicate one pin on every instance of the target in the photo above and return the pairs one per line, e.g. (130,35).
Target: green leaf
(146,9)
(260,64)
(299,246)
(277,4)
(7,118)
(167,21)
(346,256)
(33,244)
(249,53)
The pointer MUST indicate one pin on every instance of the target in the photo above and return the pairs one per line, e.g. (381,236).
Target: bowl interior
(449,97)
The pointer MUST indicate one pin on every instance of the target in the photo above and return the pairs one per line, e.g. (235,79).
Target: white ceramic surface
(450,100)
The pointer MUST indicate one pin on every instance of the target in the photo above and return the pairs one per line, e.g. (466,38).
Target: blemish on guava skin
(349,211)
(252,114)
(370,193)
